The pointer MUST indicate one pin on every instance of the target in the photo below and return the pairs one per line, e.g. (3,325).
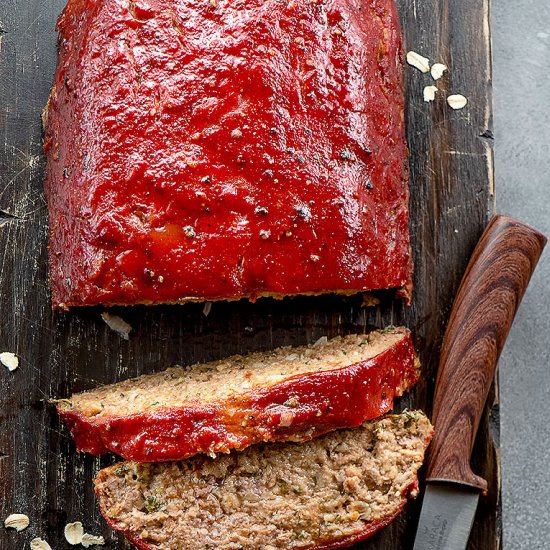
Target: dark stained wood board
(451,200)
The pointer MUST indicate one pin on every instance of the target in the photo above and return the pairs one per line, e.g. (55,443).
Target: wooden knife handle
(485,306)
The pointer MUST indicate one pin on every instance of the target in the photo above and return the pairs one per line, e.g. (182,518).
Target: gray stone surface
(521,40)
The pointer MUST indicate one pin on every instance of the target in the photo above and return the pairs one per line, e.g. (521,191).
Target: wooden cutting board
(452,197)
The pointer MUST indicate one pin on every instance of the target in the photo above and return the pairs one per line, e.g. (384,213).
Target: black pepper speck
(346,154)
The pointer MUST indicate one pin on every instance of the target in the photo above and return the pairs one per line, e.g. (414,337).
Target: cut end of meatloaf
(326,493)
(231,377)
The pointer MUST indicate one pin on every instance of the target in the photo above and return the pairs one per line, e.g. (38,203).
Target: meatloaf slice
(222,149)
(287,394)
(326,493)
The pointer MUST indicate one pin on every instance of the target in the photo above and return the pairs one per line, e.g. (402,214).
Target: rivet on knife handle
(484,308)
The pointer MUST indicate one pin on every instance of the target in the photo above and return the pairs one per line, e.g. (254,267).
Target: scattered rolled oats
(92,540)
(418,61)
(17,522)
(437,70)
(9,360)
(74,532)
(429,93)
(118,324)
(39,544)
(457,101)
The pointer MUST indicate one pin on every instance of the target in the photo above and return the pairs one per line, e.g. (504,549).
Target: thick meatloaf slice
(326,493)
(221,149)
(287,394)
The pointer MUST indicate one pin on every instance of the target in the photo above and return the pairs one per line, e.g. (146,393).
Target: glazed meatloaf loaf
(326,493)
(220,149)
(288,394)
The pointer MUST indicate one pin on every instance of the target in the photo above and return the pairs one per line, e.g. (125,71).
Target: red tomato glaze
(297,409)
(219,149)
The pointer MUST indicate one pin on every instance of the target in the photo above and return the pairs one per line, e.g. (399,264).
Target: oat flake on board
(9,360)
(17,522)
(418,61)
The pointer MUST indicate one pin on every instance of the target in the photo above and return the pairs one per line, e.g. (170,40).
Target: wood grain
(485,306)
(451,187)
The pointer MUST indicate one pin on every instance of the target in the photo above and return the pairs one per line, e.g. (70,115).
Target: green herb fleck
(409,418)
(291,402)
(152,504)
(284,487)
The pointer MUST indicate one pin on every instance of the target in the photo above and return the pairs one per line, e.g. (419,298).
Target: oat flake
(9,360)
(39,544)
(429,93)
(457,101)
(17,522)
(118,324)
(74,532)
(437,70)
(92,540)
(418,61)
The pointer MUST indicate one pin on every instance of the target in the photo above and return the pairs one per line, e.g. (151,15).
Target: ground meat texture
(334,490)
(286,394)
(219,149)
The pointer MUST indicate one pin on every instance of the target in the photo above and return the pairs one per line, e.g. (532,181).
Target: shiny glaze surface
(320,402)
(224,149)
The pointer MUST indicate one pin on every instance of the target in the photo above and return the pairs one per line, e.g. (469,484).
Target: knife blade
(485,306)
(447,517)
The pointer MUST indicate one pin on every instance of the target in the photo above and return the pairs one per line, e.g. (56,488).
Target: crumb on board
(429,93)
(9,360)
(437,70)
(118,324)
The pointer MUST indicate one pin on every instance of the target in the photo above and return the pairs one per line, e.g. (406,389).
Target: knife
(486,303)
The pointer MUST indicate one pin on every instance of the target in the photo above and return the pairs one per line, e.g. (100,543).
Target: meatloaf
(221,149)
(326,493)
(287,394)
